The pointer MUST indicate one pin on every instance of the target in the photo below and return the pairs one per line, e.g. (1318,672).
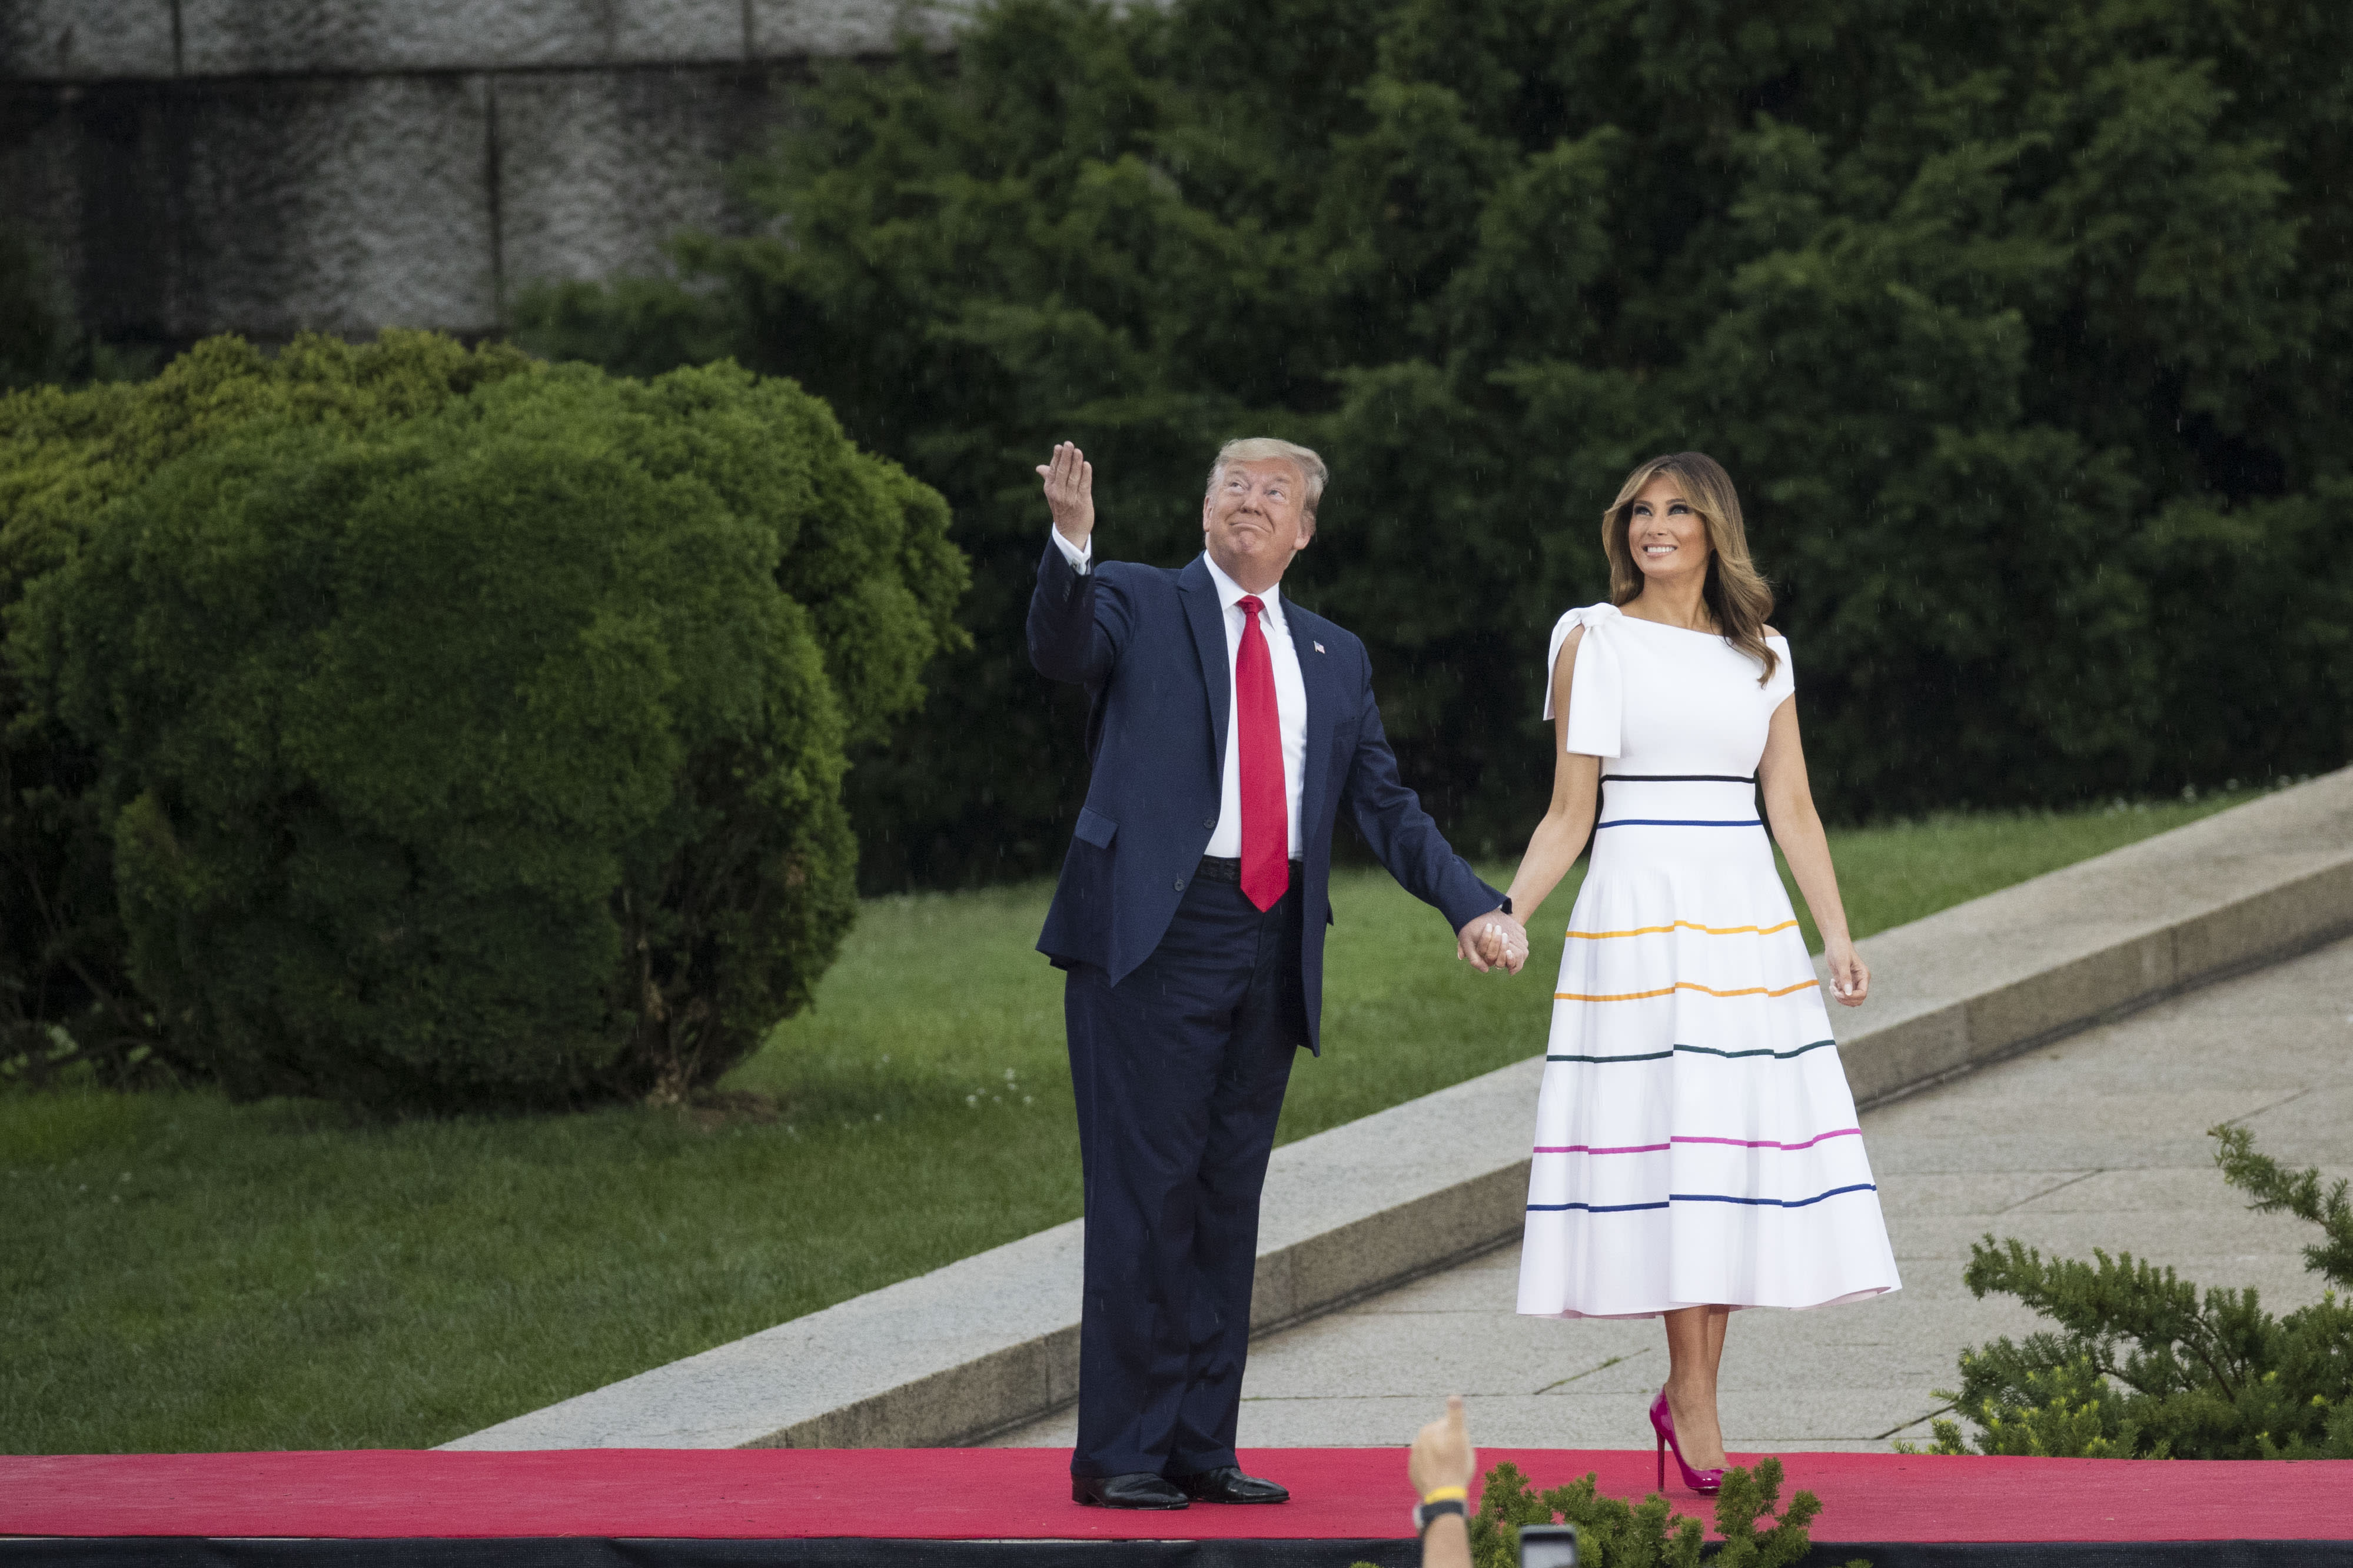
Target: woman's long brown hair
(1736,593)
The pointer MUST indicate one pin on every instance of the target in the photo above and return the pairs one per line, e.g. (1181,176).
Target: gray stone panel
(259,166)
(242,36)
(91,171)
(39,146)
(339,205)
(837,27)
(598,169)
(85,40)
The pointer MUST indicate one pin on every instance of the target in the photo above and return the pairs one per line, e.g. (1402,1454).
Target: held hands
(1071,492)
(1849,976)
(1492,941)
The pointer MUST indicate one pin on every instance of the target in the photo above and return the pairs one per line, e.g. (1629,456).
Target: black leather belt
(1228,869)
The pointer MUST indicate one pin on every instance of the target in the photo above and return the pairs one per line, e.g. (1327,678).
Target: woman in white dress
(1696,1146)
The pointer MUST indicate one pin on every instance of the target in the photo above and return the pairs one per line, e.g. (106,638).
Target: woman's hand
(1493,941)
(1504,946)
(1798,830)
(1849,976)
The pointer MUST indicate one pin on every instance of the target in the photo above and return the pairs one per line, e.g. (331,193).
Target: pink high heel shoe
(1707,1483)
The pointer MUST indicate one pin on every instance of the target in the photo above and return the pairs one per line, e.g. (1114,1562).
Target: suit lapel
(1201,613)
(1320,674)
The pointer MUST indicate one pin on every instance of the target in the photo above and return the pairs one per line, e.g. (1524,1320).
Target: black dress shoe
(1229,1485)
(1141,1489)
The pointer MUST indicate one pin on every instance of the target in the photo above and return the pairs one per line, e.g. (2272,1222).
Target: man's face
(1255,519)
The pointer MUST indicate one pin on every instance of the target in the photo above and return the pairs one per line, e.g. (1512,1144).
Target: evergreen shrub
(492,755)
(2142,1366)
(2012,320)
(67,458)
(1613,1533)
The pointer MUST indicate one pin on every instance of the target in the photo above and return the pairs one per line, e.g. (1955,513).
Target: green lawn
(179,1273)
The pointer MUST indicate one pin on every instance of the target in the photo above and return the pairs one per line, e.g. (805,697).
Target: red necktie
(1266,805)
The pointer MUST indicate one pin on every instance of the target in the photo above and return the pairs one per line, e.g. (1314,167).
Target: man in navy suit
(1227,729)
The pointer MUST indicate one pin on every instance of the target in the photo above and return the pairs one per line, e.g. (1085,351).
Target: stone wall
(264,166)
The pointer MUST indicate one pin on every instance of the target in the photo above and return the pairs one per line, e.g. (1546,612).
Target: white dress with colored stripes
(1696,1141)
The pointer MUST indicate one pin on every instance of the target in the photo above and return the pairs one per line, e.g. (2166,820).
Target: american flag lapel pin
(1319,647)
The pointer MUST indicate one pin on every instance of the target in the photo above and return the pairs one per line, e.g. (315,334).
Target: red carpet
(967,1494)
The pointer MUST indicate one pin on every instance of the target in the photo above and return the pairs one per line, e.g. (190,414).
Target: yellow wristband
(1447,1494)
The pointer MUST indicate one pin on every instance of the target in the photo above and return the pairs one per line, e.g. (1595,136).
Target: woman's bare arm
(1568,822)
(1797,829)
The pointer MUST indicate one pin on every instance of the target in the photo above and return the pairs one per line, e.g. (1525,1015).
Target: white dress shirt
(1290,700)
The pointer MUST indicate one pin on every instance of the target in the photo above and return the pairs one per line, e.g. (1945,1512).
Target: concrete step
(991,1341)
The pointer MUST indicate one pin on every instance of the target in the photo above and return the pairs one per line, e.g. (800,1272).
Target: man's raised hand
(1071,492)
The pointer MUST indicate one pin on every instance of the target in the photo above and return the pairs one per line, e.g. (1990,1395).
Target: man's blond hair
(1262,448)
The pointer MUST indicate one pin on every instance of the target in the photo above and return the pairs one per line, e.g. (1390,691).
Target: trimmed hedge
(67,458)
(492,754)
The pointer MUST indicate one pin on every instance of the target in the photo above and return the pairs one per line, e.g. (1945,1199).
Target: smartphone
(1548,1546)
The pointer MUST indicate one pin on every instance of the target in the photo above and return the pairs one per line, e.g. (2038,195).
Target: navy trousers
(1179,1072)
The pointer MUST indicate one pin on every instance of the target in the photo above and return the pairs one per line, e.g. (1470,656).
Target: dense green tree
(489,754)
(2016,323)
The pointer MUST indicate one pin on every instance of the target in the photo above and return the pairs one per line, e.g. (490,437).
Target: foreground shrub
(2145,1368)
(65,457)
(493,755)
(1611,1533)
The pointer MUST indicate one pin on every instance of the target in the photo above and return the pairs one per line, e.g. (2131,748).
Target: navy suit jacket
(1149,645)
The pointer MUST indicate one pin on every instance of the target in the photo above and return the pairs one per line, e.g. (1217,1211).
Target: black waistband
(1680,778)
(1225,868)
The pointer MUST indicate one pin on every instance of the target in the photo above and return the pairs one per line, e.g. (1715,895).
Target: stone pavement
(989,1344)
(2098,1141)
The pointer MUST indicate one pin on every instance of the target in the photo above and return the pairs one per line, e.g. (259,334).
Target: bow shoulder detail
(1597,704)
